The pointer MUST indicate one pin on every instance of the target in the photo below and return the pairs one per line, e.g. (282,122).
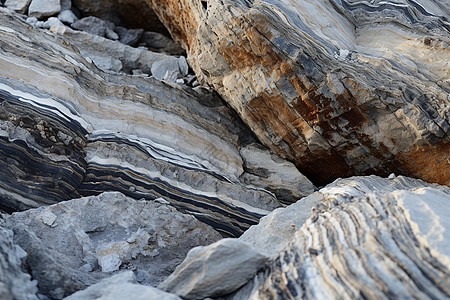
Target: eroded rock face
(121,286)
(338,87)
(367,237)
(14,283)
(67,130)
(84,240)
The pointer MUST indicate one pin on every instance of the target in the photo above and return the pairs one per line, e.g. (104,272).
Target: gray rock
(352,224)
(165,69)
(161,43)
(19,6)
(93,236)
(32,21)
(14,284)
(67,16)
(215,270)
(52,21)
(110,34)
(183,65)
(93,25)
(107,64)
(44,8)
(121,286)
(66,5)
(263,168)
(129,36)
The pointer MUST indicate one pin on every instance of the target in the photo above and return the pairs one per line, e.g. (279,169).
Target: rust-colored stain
(282,124)
(430,163)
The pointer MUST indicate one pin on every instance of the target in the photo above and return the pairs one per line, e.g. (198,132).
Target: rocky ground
(202,156)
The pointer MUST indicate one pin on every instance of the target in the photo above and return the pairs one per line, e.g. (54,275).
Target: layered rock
(338,87)
(362,237)
(84,240)
(70,130)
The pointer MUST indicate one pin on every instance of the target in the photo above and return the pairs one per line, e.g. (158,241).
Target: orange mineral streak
(430,163)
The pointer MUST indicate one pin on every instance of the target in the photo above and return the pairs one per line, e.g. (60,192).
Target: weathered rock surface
(219,269)
(365,237)
(19,6)
(71,130)
(96,235)
(67,16)
(94,25)
(119,287)
(14,283)
(338,87)
(44,8)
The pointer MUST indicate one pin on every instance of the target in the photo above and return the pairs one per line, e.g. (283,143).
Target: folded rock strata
(69,130)
(339,87)
(365,237)
(83,240)
(361,237)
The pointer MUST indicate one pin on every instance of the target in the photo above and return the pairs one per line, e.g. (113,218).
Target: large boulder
(338,87)
(73,244)
(215,270)
(364,237)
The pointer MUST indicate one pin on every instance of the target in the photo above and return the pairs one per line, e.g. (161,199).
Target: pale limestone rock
(44,8)
(182,64)
(81,241)
(19,6)
(119,287)
(94,25)
(14,283)
(67,16)
(215,270)
(162,68)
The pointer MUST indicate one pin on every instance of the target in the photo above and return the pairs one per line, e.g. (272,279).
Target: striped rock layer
(358,238)
(339,87)
(367,237)
(68,130)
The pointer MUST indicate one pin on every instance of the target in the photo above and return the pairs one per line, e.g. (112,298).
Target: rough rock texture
(339,87)
(95,235)
(44,8)
(19,6)
(220,268)
(366,237)
(14,283)
(119,287)
(68,130)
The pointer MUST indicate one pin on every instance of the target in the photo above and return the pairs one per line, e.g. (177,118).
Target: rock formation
(365,237)
(74,131)
(338,87)
(125,174)
(94,236)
